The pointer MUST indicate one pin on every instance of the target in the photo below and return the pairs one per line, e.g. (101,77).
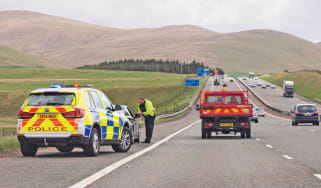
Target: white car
(256,78)
(255,116)
(260,112)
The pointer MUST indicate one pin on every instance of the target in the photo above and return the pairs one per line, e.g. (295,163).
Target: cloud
(300,17)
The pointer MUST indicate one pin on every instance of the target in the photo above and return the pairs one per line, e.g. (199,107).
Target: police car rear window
(50,99)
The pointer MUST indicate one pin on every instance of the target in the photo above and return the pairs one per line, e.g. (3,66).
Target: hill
(68,44)
(10,59)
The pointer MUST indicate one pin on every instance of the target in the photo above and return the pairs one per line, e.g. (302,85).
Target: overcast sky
(299,17)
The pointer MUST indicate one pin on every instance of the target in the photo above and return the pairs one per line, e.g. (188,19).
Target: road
(277,155)
(275,98)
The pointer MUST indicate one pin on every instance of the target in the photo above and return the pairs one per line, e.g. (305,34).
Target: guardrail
(165,116)
(263,101)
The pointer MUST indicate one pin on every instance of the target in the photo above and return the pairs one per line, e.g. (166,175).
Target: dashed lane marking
(100,174)
(312,130)
(287,157)
(268,145)
(257,139)
(318,176)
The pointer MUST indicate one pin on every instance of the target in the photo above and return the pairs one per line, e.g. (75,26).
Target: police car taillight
(25,115)
(78,113)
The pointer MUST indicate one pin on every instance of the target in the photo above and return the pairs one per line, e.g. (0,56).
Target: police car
(69,116)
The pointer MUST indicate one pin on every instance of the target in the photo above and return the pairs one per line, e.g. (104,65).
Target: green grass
(12,59)
(306,83)
(8,143)
(165,90)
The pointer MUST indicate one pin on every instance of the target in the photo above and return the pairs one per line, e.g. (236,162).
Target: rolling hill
(10,58)
(66,44)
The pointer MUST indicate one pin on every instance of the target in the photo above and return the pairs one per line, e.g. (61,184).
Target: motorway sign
(192,82)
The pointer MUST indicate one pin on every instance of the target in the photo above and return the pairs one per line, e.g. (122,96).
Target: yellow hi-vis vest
(150,110)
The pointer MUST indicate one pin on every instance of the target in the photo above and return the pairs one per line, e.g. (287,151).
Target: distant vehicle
(260,111)
(288,88)
(305,113)
(255,116)
(225,112)
(231,80)
(273,86)
(216,82)
(268,84)
(263,86)
(253,85)
(225,84)
(251,75)
(256,78)
(259,84)
(244,78)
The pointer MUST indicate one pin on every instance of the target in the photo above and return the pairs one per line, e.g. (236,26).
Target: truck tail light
(209,124)
(25,115)
(244,124)
(78,113)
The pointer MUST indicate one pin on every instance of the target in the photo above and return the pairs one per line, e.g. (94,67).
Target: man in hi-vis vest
(145,108)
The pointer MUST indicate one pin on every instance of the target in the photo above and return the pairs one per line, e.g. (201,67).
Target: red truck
(225,112)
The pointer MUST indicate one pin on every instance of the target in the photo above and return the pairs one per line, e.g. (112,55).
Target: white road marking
(269,146)
(91,179)
(312,130)
(257,139)
(318,176)
(287,157)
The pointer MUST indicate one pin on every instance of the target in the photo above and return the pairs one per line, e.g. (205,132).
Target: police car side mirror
(197,107)
(118,107)
(137,115)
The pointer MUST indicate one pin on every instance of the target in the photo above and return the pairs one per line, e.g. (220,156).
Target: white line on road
(287,157)
(268,145)
(318,176)
(91,179)
(312,130)
(257,139)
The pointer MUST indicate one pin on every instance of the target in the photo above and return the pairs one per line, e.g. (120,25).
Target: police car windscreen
(50,99)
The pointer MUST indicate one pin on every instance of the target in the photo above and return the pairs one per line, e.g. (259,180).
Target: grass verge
(8,143)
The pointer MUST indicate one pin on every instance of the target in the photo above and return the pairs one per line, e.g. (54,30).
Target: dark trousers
(149,127)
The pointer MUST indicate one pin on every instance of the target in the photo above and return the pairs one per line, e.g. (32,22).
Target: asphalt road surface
(277,155)
(275,97)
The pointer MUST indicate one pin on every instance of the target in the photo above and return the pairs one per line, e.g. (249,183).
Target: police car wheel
(28,150)
(92,149)
(125,141)
(65,148)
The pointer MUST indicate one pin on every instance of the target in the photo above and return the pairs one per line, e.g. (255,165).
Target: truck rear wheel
(242,133)
(28,150)
(248,133)
(209,134)
(203,134)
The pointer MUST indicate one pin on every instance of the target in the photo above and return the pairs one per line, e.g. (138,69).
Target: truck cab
(225,112)
(288,88)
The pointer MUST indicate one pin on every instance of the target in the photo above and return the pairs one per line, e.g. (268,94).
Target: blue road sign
(207,72)
(192,82)
(200,72)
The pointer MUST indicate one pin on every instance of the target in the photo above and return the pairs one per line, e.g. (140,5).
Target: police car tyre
(125,141)
(28,150)
(248,133)
(65,148)
(92,149)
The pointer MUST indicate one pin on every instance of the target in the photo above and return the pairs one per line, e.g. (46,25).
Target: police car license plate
(307,114)
(47,116)
(226,124)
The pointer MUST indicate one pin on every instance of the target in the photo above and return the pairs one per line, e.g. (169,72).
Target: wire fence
(7,132)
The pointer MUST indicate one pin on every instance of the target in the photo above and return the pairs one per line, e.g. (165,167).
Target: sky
(298,17)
